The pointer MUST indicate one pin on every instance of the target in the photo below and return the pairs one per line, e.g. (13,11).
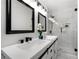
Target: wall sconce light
(38,3)
(41,6)
(51,19)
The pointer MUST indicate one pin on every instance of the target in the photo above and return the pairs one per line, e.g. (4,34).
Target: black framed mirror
(42,20)
(19,17)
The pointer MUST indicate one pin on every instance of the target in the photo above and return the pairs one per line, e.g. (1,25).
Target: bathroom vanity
(35,49)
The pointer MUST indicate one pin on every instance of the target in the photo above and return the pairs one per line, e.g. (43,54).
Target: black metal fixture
(21,41)
(66,25)
(75,9)
(75,50)
(28,39)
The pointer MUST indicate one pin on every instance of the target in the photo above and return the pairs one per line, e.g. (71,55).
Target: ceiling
(57,5)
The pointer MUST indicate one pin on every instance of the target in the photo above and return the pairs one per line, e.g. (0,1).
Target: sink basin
(32,44)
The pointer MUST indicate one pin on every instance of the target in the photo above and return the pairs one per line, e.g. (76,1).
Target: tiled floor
(66,54)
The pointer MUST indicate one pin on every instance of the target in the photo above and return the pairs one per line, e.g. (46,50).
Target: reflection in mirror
(42,20)
(19,17)
(50,26)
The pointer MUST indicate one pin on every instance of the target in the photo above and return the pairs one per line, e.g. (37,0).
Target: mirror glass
(42,20)
(20,17)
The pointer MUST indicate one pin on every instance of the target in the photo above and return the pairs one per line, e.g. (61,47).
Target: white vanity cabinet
(50,53)
(37,49)
(55,48)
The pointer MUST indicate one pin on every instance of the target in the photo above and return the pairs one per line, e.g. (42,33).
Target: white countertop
(27,50)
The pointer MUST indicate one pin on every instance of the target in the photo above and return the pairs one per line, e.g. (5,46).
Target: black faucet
(28,39)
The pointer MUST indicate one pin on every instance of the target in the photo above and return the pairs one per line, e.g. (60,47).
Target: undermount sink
(36,43)
(33,43)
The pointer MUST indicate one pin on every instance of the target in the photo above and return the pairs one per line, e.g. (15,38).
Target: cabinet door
(56,45)
(50,53)
(55,48)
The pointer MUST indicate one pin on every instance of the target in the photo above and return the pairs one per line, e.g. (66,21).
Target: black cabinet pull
(50,50)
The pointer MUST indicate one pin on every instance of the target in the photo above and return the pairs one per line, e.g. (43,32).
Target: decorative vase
(40,35)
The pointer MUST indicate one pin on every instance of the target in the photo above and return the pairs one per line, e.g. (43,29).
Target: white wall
(63,10)
(69,35)
(66,14)
(9,39)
